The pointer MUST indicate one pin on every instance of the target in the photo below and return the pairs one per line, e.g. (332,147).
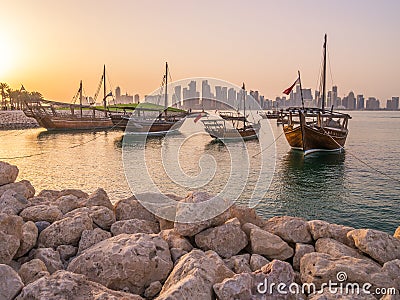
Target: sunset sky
(49,46)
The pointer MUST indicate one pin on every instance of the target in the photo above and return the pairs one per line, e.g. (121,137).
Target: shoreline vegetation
(72,245)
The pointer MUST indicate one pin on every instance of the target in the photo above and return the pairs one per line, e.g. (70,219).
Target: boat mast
(80,96)
(324,77)
(166,87)
(244,105)
(104,90)
(301,91)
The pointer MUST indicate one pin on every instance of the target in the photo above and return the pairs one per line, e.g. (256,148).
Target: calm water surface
(333,187)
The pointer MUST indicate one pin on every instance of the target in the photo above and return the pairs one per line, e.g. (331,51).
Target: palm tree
(36,95)
(4,87)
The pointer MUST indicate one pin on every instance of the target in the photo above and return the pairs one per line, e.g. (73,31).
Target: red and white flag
(198,117)
(289,89)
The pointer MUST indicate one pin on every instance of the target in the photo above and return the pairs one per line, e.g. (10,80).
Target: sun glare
(6,55)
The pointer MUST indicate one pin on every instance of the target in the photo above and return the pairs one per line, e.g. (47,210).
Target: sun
(7,54)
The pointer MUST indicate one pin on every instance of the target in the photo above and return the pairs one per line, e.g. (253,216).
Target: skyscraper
(360,102)
(177,96)
(351,101)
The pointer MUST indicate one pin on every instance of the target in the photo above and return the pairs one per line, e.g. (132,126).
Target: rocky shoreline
(72,245)
(16,119)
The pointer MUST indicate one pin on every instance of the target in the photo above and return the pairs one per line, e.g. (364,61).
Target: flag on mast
(289,89)
(199,116)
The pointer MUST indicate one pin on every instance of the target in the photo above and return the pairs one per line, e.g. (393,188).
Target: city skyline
(263,43)
(194,93)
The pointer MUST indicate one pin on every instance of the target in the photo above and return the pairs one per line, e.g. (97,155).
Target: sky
(49,46)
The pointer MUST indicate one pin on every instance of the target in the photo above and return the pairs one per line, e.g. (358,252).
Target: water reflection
(311,186)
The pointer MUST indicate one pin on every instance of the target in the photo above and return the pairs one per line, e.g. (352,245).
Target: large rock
(74,192)
(66,231)
(130,262)
(11,234)
(221,269)
(239,263)
(246,215)
(177,253)
(175,240)
(50,257)
(336,249)
(66,285)
(29,236)
(38,200)
(197,217)
(257,262)
(153,289)
(379,245)
(8,173)
(101,215)
(132,226)
(193,276)
(99,198)
(12,203)
(10,283)
(42,225)
(227,240)
(66,252)
(50,195)
(23,187)
(321,229)
(319,268)
(67,203)
(252,285)
(290,229)
(9,245)
(131,208)
(11,224)
(41,213)
(92,237)
(300,251)
(32,271)
(267,244)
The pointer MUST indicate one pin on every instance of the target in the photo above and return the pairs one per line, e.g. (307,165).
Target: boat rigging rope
(70,147)
(363,162)
(268,145)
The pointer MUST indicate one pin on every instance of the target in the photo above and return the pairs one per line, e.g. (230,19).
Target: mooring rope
(70,147)
(363,162)
(268,145)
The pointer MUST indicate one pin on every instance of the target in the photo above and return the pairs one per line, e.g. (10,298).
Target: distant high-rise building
(334,96)
(345,102)
(207,97)
(372,103)
(117,93)
(177,96)
(392,104)
(360,102)
(232,96)
(137,98)
(351,101)
(122,99)
(191,98)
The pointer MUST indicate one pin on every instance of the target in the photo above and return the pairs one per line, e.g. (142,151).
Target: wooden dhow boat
(54,115)
(315,129)
(153,119)
(239,129)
